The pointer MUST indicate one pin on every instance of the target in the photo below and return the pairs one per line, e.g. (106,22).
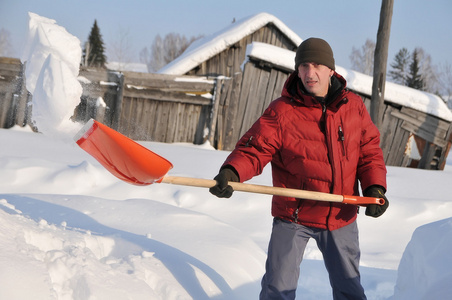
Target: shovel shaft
(276,191)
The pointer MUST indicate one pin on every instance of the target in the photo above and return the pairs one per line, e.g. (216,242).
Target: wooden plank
(427,156)
(424,117)
(443,157)
(149,111)
(269,93)
(387,130)
(172,122)
(244,91)
(222,120)
(250,100)
(427,123)
(397,149)
(230,138)
(255,101)
(260,95)
(282,77)
(167,96)
(428,136)
(216,106)
(118,103)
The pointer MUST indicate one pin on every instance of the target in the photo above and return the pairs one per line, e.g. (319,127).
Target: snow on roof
(361,83)
(209,46)
(203,49)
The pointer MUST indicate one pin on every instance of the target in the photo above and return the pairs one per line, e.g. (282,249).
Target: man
(318,136)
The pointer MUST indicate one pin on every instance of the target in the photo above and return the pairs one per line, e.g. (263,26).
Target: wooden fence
(193,109)
(13,94)
(142,106)
(148,107)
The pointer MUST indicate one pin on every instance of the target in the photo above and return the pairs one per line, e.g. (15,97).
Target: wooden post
(116,122)
(214,114)
(380,61)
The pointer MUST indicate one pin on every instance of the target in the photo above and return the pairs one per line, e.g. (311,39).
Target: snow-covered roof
(209,46)
(361,83)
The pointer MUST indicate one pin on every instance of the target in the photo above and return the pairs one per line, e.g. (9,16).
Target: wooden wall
(243,100)
(228,61)
(149,107)
(13,94)
(245,96)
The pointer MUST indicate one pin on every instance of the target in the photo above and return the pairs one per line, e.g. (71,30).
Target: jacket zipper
(249,141)
(327,140)
(342,138)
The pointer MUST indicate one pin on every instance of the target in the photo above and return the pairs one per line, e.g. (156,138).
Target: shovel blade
(120,155)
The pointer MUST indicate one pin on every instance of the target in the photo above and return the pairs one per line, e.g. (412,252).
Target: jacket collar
(293,88)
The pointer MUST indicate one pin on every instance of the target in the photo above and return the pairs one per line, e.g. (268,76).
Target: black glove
(376,210)
(222,189)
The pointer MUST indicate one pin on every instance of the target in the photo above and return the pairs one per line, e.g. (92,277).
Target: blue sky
(343,23)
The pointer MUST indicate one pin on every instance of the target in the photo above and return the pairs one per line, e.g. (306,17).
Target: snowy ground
(71,230)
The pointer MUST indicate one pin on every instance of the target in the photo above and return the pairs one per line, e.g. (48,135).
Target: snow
(52,55)
(128,67)
(213,44)
(71,230)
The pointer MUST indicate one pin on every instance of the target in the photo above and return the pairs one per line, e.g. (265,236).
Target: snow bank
(425,268)
(52,58)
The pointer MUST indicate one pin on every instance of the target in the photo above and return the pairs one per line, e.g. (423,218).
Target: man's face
(315,78)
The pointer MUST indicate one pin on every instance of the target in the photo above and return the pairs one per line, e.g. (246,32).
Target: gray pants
(340,249)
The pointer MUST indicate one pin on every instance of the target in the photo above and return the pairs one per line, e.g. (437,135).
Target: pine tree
(414,78)
(400,66)
(94,52)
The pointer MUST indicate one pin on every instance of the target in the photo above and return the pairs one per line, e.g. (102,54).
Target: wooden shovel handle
(277,191)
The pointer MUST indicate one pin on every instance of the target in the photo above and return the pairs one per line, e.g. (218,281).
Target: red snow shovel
(135,164)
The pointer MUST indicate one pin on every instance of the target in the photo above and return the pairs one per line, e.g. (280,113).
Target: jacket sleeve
(256,147)
(371,166)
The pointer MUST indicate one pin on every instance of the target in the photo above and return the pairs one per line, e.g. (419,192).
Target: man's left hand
(376,210)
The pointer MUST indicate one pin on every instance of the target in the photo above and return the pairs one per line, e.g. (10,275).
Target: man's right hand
(222,189)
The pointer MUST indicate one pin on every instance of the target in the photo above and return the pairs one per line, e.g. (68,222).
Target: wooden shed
(224,52)
(416,128)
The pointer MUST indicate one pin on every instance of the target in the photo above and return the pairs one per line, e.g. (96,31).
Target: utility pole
(380,62)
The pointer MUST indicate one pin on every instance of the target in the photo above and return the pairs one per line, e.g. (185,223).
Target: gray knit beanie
(315,50)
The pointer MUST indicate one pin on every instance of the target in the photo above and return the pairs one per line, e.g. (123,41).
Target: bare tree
(429,73)
(120,50)
(445,83)
(363,59)
(165,50)
(158,59)
(6,48)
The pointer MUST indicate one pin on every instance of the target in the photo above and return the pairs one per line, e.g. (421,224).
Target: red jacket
(314,147)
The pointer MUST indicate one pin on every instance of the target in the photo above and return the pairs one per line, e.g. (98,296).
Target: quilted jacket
(317,144)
